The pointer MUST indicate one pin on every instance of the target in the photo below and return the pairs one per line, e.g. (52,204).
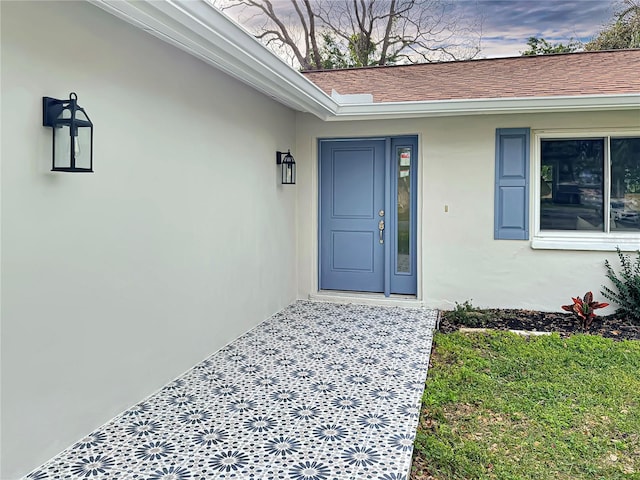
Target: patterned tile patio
(319,391)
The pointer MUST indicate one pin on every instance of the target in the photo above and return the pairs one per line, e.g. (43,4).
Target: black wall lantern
(288,167)
(72,134)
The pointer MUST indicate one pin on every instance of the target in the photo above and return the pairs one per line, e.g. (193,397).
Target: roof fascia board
(439,108)
(208,34)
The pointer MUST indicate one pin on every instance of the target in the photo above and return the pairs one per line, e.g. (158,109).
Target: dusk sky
(507,24)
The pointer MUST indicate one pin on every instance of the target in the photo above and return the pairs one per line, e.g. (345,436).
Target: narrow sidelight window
(404,210)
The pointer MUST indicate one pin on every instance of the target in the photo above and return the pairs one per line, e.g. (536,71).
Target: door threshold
(366,298)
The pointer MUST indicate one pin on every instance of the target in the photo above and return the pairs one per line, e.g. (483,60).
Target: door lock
(381,213)
(381,230)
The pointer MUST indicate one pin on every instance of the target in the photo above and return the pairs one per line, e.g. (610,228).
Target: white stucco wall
(114,283)
(458,258)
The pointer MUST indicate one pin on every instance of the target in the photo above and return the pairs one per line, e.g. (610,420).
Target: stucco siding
(458,257)
(113,283)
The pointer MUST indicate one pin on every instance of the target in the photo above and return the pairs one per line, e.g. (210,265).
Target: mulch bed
(611,326)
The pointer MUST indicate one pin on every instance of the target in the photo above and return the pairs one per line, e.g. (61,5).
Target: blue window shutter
(511,216)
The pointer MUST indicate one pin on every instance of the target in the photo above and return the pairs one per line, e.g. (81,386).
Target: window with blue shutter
(511,216)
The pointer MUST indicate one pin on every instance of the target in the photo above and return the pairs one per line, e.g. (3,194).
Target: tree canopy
(623,32)
(539,46)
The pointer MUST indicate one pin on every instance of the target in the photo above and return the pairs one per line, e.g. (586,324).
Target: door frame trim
(315,211)
(387,208)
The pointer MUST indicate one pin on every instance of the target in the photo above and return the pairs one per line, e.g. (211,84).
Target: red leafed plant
(583,309)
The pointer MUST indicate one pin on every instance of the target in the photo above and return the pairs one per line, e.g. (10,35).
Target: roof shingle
(585,73)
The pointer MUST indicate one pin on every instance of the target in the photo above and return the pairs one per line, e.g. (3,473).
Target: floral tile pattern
(319,391)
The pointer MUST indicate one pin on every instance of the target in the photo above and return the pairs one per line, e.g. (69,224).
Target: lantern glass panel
(82,148)
(61,147)
(287,173)
(81,116)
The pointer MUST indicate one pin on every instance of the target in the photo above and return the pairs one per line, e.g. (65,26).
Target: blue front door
(368,215)
(352,193)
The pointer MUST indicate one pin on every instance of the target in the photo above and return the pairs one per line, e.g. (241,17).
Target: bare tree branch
(312,35)
(387,32)
(318,34)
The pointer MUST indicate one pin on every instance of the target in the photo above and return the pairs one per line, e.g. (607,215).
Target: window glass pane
(571,185)
(625,184)
(403,264)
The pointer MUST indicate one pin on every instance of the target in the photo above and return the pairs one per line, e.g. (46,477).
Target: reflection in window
(403,264)
(572,184)
(625,184)
(573,190)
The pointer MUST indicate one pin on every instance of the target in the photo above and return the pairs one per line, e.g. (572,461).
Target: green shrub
(627,286)
(466,314)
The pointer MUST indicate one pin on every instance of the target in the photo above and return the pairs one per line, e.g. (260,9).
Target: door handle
(381,230)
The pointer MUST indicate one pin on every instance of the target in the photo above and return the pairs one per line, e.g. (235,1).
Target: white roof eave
(201,30)
(487,106)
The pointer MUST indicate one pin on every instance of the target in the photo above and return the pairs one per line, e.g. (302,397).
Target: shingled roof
(575,74)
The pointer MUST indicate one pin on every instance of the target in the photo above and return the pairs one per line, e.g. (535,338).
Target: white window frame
(576,239)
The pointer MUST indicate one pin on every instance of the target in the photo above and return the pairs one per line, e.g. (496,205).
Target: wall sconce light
(72,134)
(288,167)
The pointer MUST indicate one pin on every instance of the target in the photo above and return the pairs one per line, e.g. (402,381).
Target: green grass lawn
(501,406)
